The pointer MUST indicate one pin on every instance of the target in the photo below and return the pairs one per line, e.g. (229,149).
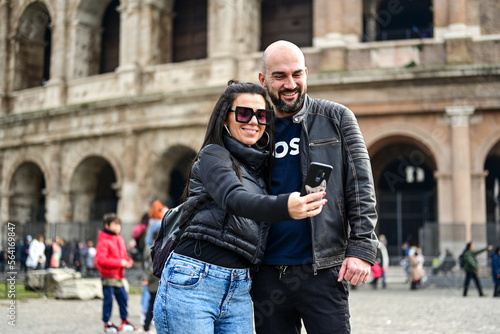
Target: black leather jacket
(234,217)
(330,134)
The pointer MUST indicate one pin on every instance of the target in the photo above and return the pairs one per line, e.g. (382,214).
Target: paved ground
(393,310)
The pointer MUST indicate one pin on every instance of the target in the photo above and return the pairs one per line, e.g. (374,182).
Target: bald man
(308,263)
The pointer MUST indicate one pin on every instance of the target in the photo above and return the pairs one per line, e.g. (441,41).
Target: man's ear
(262,80)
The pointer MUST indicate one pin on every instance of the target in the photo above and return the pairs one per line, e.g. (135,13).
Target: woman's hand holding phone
(300,207)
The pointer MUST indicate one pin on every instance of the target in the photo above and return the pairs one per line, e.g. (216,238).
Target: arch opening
(406,194)
(32,47)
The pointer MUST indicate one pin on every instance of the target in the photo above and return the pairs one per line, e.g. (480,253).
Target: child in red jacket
(111,260)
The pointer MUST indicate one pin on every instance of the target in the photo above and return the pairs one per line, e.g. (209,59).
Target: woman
(416,267)
(205,285)
(55,258)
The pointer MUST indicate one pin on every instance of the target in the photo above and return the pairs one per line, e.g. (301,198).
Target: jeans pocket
(184,276)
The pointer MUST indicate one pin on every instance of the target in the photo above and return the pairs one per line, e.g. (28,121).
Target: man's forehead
(287,71)
(286,59)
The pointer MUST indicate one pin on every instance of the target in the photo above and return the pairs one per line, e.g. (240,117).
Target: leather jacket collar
(299,116)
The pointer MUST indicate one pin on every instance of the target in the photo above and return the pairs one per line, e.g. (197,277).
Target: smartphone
(317,178)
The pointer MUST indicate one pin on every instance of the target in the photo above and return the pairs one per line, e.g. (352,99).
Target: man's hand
(354,270)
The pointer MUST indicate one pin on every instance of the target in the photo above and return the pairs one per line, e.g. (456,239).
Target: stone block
(85,289)
(38,279)
(35,280)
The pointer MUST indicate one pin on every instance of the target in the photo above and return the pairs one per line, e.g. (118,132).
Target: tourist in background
(471,267)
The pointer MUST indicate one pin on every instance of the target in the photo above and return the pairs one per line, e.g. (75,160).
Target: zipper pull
(282,270)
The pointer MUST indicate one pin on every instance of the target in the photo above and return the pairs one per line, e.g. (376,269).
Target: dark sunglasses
(245,114)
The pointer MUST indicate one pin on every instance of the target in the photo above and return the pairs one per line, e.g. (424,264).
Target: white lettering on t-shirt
(294,145)
(282,148)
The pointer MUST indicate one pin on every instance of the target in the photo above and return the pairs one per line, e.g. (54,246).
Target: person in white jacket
(385,258)
(36,257)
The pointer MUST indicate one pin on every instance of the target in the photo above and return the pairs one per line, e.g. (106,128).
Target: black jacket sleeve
(228,192)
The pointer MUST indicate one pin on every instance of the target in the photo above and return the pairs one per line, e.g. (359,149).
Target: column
(352,23)
(233,27)
(457,12)
(154,33)
(371,20)
(128,204)
(337,23)
(56,86)
(57,200)
(479,195)
(4,30)
(129,34)
(461,165)
(328,22)
(129,70)
(459,33)
(59,51)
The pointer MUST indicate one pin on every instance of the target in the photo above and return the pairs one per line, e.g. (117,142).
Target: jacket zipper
(324,142)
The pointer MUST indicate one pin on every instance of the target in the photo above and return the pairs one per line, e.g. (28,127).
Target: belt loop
(206,269)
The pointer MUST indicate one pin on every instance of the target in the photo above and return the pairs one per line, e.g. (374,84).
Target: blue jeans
(145,299)
(107,302)
(198,297)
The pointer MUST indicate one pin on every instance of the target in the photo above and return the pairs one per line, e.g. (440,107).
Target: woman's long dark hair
(216,129)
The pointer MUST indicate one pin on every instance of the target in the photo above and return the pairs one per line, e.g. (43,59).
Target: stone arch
(26,189)
(403,170)
(170,174)
(375,138)
(32,46)
(11,168)
(93,189)
(481,154)
(78,151)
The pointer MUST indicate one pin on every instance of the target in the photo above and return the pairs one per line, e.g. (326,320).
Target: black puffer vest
(238,209)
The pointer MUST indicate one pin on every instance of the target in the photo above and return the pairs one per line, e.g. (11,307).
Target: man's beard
(286,108)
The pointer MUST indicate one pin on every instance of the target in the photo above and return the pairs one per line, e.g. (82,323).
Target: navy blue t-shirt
(289,242)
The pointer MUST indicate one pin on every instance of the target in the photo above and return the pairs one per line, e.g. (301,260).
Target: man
(308,263)
(471,267)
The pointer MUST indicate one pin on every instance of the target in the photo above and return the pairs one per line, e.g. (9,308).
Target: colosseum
(104,103)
